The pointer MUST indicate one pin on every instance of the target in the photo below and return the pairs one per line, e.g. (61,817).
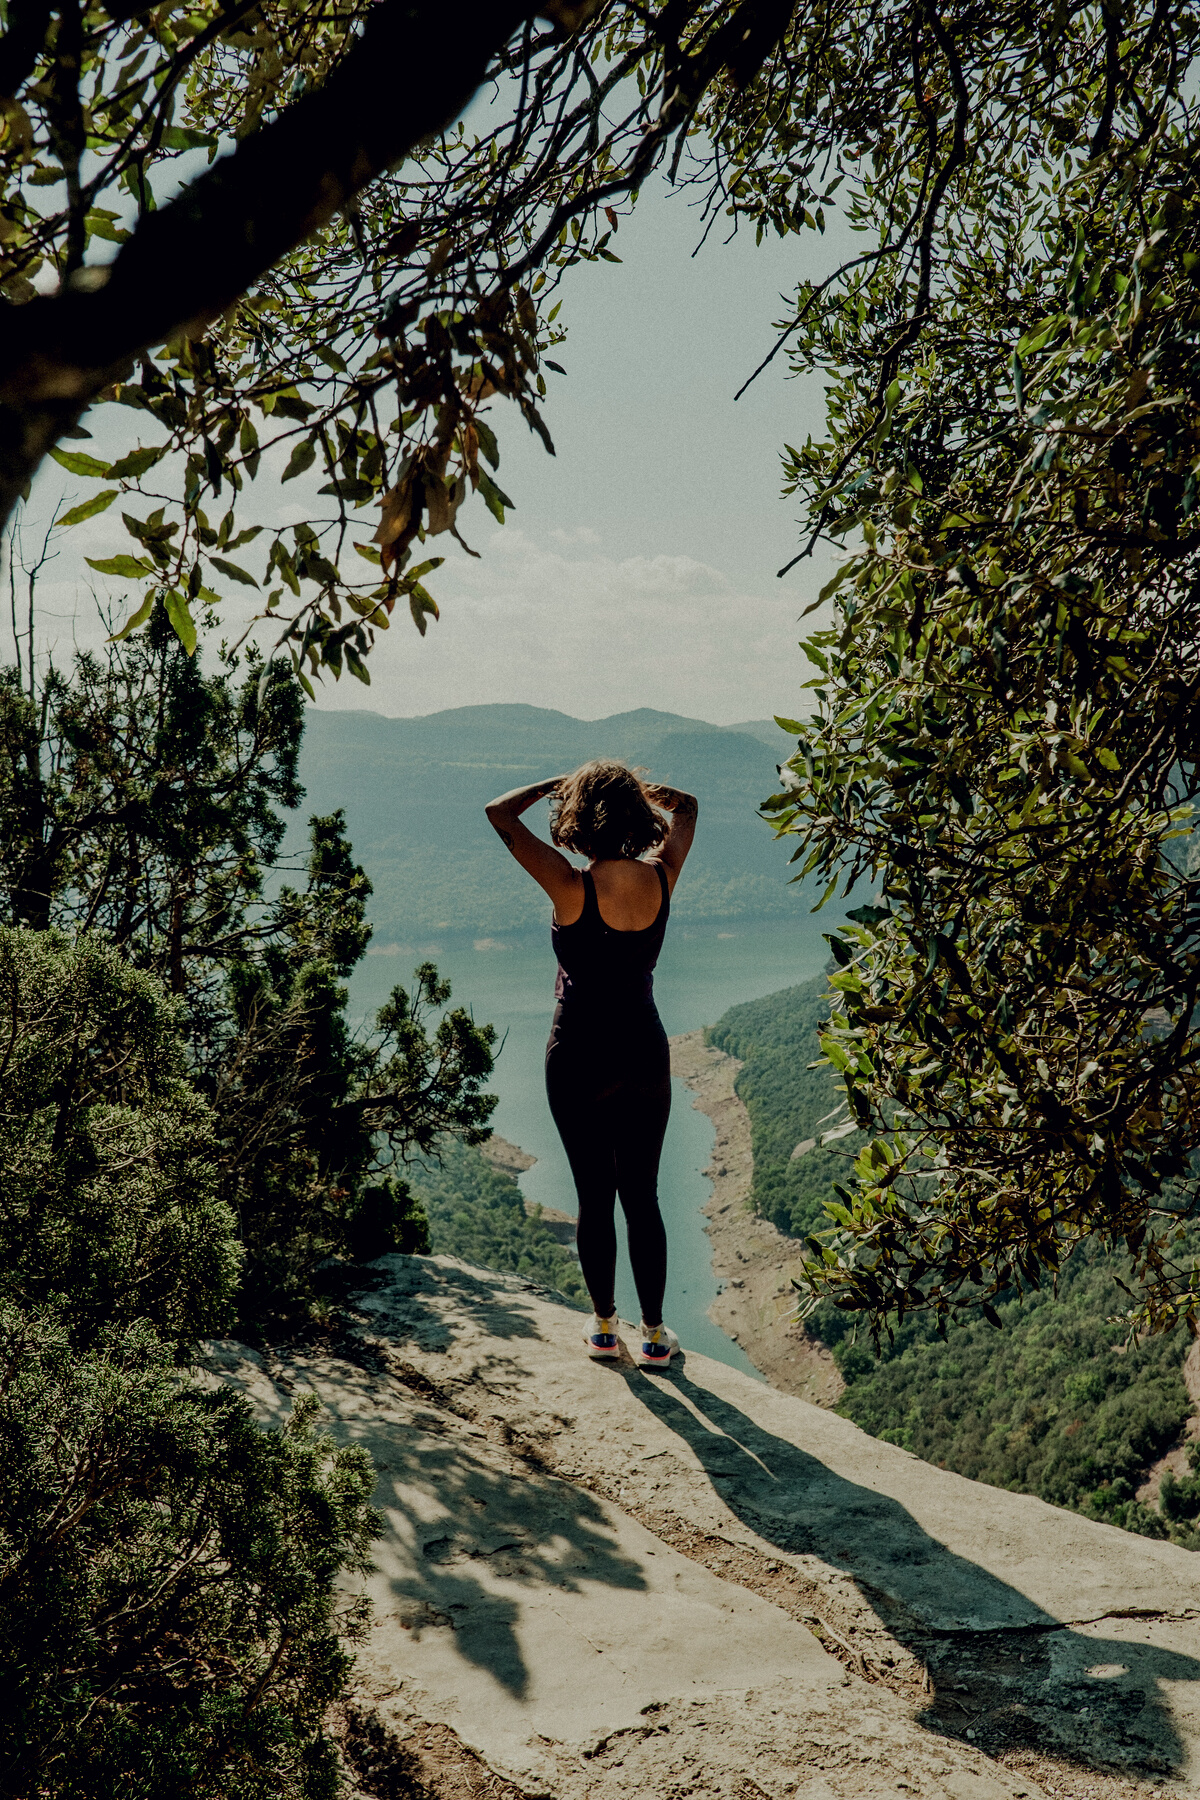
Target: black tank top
(603,969)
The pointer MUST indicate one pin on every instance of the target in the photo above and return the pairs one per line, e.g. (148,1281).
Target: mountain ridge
(414,788)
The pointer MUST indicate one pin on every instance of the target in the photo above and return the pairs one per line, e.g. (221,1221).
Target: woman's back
(605,964)
(628,893)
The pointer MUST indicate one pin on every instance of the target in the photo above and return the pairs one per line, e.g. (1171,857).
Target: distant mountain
(767,732)
(414,792)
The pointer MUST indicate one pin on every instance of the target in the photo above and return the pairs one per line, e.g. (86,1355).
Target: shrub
(108,1202)
(1117,1504)
(388,1217)
(1179,1500)
(168,1613)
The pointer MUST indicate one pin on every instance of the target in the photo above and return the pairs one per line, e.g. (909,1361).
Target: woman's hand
(672,800)
(519,800)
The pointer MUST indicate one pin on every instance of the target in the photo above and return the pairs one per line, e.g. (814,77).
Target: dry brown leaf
(396,507)
(568,15)
(470,451)
(442,502)
(440,257)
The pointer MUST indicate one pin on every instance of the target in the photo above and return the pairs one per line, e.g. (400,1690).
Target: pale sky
(638,566)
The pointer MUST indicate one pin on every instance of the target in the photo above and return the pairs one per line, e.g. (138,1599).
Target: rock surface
(505,1156)
(609,1583)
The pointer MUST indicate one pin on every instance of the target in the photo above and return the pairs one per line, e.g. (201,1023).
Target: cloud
(556,622)
(550,618)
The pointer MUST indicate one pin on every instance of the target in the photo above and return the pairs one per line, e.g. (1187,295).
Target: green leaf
(78,462)
(303,457)
(487,440)
(100,223)
(832,585)
(827,895)
(87,509)
(358,492)
(495,497)
(231,569)
(183,137)
(129,566)
(420,603)
(287,404)
(869,915)
(369,552)
(181,619)
(139,618)
(136,463)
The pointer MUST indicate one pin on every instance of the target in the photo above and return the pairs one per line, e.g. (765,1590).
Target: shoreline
(750,1256)
(760,1259)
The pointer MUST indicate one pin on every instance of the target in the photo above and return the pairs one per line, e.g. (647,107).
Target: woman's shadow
(1029,1679)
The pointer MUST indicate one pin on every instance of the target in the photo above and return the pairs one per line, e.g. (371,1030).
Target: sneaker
(658,1346)
(602,1342)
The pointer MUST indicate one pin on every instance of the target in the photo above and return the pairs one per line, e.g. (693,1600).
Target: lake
(509,981)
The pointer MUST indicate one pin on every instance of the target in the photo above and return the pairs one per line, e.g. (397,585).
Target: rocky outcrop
(599,1583)
(509,1158)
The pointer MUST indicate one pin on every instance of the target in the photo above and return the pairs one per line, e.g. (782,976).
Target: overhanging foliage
(1005,739)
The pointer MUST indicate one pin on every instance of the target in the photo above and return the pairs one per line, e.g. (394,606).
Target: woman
(608,1074)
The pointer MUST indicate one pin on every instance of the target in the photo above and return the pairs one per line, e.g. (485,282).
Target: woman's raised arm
(684,809)
(548,866)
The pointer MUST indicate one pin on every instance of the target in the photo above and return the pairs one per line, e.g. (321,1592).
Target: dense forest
(1054,1403)
(477,1212)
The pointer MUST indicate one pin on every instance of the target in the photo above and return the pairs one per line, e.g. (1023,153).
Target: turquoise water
(510,981)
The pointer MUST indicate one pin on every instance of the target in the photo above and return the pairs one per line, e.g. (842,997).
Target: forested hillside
(478,1212)
(1053,1404)
(414,790)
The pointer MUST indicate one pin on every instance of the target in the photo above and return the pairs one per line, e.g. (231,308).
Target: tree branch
(406,79)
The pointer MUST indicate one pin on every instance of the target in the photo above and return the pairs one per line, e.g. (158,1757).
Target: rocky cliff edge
(595,1582)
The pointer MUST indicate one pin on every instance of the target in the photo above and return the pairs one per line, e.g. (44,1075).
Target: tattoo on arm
(686,809)
(505,836)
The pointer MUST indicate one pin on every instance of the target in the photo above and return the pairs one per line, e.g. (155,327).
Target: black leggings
(610,1096)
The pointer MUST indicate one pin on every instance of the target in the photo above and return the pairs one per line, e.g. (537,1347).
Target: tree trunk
(411,74)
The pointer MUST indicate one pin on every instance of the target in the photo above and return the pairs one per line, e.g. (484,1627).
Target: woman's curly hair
(602,811)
